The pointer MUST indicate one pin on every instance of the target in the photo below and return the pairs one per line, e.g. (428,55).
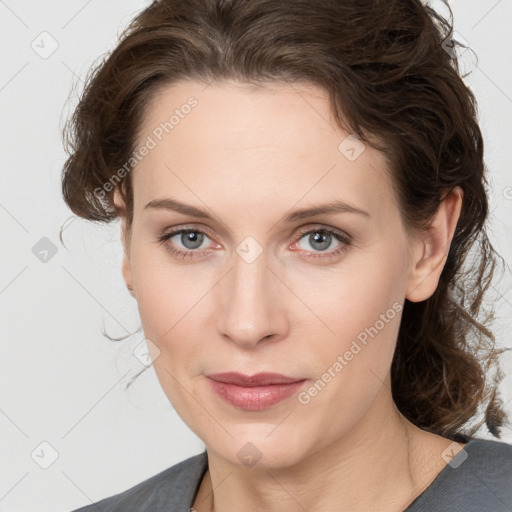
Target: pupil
(192,239)
(323,238)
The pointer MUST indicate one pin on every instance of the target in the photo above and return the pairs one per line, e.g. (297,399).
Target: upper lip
(259,379)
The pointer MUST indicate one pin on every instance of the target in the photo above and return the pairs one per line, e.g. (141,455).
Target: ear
(126,268)
(430,248)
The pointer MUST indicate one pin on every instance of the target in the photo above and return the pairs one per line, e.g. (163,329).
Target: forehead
(244,146)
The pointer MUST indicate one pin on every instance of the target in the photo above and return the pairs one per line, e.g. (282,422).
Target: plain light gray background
(62,381)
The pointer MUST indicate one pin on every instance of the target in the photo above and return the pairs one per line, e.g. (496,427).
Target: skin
(249,157)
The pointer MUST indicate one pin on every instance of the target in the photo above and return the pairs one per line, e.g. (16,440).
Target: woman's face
(257,287)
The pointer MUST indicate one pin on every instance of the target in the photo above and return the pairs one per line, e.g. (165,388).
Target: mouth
(254,392)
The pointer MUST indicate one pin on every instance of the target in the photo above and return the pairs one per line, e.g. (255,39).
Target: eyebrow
(187,209)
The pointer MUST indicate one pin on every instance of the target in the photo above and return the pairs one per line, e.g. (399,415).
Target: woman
(299,185)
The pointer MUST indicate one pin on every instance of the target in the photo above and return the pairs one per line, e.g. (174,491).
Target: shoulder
(476,479)
(494,454)
(175,486)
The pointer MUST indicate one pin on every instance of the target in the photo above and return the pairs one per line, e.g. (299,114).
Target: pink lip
(259,379)
(255,392)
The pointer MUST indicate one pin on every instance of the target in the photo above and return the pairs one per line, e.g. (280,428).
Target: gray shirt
(477,479)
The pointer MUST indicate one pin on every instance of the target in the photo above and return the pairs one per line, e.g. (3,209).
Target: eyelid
(322,227)
(300,233)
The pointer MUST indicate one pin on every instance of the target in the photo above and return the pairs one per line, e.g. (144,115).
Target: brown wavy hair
(392,82)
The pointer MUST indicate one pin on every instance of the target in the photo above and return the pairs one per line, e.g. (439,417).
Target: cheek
(169,301)
(358,317)
(351,366)
(166,291)
(176,315)
(363,327)
(345,299)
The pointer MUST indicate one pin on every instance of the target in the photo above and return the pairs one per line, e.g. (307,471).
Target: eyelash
(344,239)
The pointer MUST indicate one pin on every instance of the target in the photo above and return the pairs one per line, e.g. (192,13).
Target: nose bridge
(250,305)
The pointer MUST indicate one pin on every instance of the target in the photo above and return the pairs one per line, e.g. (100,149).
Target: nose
(251,304)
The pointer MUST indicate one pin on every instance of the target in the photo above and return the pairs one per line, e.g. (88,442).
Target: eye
(188,241)
(321,239)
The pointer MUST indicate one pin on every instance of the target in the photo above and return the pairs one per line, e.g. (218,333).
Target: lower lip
(254,398)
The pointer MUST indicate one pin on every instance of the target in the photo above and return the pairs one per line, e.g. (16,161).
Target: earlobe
(126,270)
(431,248)
(126,265)
(127,274)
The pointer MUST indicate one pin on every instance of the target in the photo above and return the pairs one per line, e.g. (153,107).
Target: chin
(259,449)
